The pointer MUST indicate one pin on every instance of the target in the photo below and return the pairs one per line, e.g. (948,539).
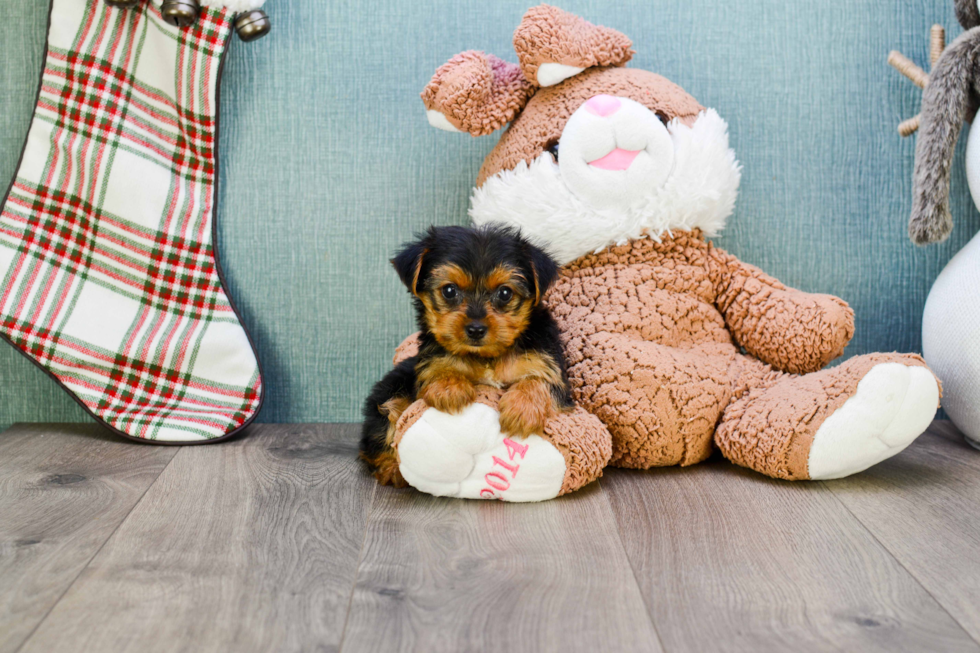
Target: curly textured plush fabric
(477,92)
(653,331)
(408,348)
(675,345)
(549,35)
(584,442)
(581,438)
(547,112)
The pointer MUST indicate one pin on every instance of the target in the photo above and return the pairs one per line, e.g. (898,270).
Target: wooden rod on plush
(909,127)
(919,77)
(937,43)
(904,65)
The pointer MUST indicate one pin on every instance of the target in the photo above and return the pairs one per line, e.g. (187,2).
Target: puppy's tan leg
(393,409)
(525,407)
(385,464)
(450,392)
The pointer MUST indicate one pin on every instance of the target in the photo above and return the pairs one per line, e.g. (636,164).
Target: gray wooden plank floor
(63,493)
(443,574)
(278,541)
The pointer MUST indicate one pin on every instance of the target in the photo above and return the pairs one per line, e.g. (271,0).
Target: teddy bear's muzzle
(614,152)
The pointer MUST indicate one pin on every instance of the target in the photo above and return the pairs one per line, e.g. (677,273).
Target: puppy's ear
(408,264)
(544,270)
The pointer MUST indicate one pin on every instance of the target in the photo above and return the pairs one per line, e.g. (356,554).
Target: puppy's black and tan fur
(477,294)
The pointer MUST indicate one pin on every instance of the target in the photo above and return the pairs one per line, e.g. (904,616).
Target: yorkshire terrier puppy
(477,295)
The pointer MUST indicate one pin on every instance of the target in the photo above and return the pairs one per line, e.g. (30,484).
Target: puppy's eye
(503,295)
(663,117)
(450,292)
(552,148)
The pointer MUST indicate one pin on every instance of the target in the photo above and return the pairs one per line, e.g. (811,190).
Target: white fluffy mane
(699,193)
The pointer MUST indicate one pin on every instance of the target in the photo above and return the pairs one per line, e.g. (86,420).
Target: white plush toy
(951,319)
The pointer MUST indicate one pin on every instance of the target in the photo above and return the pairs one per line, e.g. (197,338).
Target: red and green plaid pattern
(107,272)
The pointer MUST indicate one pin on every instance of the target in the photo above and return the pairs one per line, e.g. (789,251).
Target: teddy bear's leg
(660,403)
(467,456)
(831,423)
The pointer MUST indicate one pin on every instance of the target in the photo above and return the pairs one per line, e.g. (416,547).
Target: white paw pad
(893,405)
(466,456)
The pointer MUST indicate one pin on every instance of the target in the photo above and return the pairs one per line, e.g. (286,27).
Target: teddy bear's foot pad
(466,456)
(893,405)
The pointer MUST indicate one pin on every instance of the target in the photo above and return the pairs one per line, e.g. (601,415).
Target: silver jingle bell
(180,13)
(252,25)
(122,4)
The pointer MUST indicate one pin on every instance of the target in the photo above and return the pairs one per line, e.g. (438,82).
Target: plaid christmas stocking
(108,275)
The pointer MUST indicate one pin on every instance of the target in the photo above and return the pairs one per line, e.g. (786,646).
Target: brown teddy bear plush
(674,345)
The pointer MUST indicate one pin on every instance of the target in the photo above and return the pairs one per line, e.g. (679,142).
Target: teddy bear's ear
(553,45)
(475,92)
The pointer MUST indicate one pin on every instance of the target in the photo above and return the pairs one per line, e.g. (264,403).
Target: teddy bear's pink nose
(602,105)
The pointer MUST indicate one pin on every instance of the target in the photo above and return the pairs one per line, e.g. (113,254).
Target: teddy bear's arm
(409,347)
(789,329)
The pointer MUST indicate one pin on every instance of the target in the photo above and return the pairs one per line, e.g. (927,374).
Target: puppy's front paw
(449,394)
(525,407)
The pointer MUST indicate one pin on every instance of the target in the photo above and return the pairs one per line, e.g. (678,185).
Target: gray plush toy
(951,318)
(948,100)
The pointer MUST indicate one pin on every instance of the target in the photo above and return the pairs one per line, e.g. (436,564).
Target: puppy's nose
(475,330)
(603,105)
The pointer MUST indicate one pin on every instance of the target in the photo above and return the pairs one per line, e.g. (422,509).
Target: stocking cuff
(233,5)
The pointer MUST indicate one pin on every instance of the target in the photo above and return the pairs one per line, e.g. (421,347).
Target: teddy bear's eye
(552,148)
(664,118)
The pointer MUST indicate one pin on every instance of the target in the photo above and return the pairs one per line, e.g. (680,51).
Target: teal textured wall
(327,164)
